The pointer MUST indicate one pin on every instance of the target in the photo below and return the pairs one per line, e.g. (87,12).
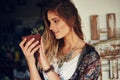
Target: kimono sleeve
(93,70)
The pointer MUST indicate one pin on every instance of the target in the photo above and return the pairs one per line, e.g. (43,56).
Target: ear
(72,21)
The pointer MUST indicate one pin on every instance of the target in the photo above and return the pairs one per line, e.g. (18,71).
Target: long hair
(66,10)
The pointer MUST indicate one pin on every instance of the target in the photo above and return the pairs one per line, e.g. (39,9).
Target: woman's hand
(29,48)
(42,59)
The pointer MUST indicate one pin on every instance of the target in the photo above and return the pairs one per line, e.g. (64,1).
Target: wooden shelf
(106,41)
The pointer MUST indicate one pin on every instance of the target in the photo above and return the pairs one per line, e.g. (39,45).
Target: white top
(67,69)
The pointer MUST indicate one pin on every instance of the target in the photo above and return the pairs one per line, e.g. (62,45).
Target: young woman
(64,55)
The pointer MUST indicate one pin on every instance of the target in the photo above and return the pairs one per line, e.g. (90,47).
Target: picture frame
(111,25)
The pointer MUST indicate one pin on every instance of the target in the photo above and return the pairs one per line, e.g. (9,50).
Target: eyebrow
(54,19)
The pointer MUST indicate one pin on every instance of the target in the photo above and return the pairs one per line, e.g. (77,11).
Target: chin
(58,37)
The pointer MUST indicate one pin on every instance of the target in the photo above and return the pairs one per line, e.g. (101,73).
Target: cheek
(64,30)
(62,25)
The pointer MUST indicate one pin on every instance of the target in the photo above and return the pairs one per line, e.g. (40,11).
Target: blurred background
(18,17)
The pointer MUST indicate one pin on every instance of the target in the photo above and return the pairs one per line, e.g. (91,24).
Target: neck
(70,40)
(72,45)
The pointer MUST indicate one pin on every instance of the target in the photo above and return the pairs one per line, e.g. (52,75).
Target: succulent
(38,29)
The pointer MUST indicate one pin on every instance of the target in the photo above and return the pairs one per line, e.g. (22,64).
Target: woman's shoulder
(90,50)
(90,54)
(88,60)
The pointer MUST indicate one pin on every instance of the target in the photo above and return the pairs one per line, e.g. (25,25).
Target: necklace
(68,56)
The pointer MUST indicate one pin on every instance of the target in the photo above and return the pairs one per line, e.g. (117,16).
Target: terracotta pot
(37,38)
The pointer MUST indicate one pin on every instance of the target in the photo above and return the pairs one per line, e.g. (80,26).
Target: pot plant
(36,33)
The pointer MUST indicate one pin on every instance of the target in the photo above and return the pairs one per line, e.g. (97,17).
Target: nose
(52,27)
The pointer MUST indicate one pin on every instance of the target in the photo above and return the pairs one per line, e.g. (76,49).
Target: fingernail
(37,41)
(33,38)
(24,38)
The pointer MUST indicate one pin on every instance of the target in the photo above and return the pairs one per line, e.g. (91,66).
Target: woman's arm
(93,71)
(42,59)
(29,50)
(52,75)
(34,74)
(93,68)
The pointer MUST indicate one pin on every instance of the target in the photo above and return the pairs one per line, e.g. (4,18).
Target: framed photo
(111,25)
(94,27)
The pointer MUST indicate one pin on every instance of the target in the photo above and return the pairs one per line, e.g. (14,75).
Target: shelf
(106,41)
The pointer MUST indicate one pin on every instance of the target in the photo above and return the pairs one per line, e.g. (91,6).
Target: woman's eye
(56,21)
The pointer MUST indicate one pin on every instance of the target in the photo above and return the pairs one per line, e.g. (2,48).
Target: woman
(64,55)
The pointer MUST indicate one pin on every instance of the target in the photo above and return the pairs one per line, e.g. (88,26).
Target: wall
(100,8)
(97,7)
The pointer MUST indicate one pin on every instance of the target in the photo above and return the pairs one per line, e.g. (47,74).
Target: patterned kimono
(89,66)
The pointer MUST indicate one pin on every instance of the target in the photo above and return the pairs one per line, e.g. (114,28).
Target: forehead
(52,14)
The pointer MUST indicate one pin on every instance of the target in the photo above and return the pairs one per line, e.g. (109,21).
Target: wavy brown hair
(66,10)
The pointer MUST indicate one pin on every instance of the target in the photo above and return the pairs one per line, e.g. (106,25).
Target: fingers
(22,43)
(29,43)
(29,47)
(32,46)
(42,46)
(35,49)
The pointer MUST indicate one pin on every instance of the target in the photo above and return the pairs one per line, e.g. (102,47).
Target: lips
(56,32)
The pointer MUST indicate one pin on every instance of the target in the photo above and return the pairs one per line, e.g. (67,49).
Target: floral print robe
(89,66)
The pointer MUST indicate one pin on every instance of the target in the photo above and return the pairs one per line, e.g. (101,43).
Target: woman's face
(58,25)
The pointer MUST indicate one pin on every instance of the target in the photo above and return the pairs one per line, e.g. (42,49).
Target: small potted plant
(35,33)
